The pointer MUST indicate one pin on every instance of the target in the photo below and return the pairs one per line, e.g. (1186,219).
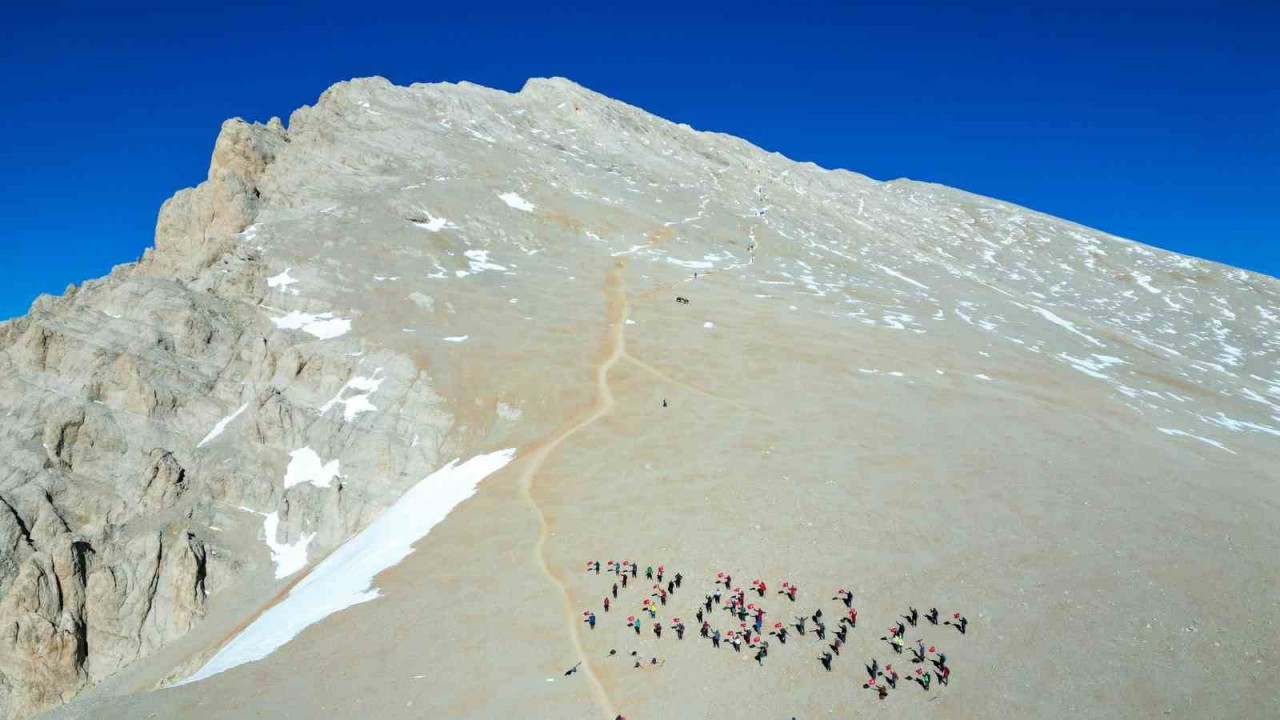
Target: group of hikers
(752,628)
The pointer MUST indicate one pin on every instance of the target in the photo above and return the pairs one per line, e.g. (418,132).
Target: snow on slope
(345,577)
(221,425)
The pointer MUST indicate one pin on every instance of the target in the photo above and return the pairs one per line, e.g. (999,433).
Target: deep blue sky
(1160,124)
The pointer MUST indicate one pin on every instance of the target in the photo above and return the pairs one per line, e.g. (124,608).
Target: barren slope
(925,396)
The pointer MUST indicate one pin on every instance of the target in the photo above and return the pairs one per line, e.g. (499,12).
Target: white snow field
(345,577)
(324,326)
(305,466)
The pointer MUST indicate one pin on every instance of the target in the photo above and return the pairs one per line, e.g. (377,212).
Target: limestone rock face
(110,505)
(408,275)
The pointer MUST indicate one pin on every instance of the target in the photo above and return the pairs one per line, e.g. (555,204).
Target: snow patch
(515,201)
(1207,441)
(324,326)
(282,282)
(356,404)
(345,577)
(289,559)
(456,338)
(222,425)
(305,467)
(478,260)
(900,276)
(1068,325)
(1093,364)
(434,224)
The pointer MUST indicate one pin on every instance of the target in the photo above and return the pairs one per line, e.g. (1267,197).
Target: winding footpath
(617,309)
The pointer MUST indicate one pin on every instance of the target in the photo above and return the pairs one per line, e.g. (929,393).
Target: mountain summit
(341,443)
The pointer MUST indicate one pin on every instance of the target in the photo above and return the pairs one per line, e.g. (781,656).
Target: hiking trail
(616,308)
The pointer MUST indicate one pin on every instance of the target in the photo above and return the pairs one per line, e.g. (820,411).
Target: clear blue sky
(1154,121)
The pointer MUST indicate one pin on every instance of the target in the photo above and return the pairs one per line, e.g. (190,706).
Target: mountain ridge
(392,281)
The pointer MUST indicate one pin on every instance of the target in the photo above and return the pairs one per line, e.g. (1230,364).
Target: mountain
(340,444)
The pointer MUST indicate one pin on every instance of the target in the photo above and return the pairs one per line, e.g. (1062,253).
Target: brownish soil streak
(615,346)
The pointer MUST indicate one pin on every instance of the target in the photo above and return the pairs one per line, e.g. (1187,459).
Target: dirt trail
(616,316)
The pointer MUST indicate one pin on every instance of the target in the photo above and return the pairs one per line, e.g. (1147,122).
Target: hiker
(825,658)
(715,639)
(633,570)
(671,586)
(657,630)
(679,630)
(700,616)
(923,678)
(706,629)
(944,676)
(912,616)
(597,567)
(891,676)
(735,641)
(821,631)
(873,670)
(853,617)
(717,597)
(572,670)
(664,402)
(900,630)
(789,590)
(844,596)
(843,633)
(941,662)
(932,615)
(648,573)
(615,591)
(624,581)
(591,620)
(835,647)
(800,624)
(635,623)
(895,641)
(606,603)
(707,603)
(882,692)
(660,571)
(918,651)
(760,657)
(961,622)
(662,595)
(679,578)
(817,616)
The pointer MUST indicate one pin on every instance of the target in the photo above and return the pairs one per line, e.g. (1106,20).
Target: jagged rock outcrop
(111,506)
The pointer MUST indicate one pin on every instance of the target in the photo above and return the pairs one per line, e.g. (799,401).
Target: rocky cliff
(142,409)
